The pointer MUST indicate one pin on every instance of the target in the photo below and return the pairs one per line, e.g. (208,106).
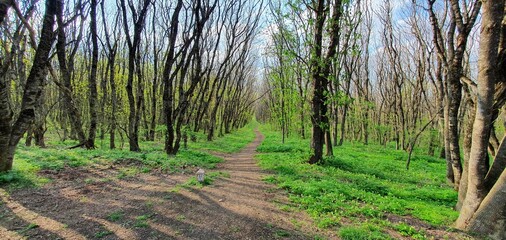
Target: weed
(115,216)
(149,204)
(282,233)
(409,231)
(141,221)
(29,227)
(359,182)
(102,234)
(235,229)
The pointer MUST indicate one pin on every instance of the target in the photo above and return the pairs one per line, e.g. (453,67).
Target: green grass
(28,161)
(142,221)
(115,216)
(230,143)
(362,183)
(209,178)
(102,234)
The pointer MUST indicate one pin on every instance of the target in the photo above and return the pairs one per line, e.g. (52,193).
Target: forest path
(243,206)
(95,203)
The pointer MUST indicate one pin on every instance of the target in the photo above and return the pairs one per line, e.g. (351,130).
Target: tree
(484,207)
(12,130)
(320,71)
(112,51)
(92,83)
(134,102)
(452,55)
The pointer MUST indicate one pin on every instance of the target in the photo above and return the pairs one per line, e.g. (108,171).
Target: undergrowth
(57,156)
(364,184)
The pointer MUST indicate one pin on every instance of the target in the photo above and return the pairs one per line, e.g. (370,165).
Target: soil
(96,203)
(93,203)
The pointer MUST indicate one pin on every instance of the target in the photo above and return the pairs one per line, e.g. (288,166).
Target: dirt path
(92,204)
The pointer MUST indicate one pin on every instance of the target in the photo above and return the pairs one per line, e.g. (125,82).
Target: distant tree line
(139,70)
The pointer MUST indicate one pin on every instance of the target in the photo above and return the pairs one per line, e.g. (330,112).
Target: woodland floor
(79,204)
(92,202)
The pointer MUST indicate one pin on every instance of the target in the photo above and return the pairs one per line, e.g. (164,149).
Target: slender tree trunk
(93,97)
(114,102)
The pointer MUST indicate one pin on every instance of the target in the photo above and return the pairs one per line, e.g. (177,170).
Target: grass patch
(57,157)
(229,143)
(115,216)
(362,232)
(209,178)
(142,221)
(28,227)
(359,182)
(282,233)
(102,234)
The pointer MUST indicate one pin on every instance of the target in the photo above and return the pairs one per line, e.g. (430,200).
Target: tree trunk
(93,97)
(473,208)
(320,71)
(133,67)
(11,134)
(489,218)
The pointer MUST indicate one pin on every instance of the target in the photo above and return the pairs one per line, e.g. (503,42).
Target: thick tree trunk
(450,177)
(489,218)
(470,215)
(467,150)
(454,98)
(11,134)
(114,102)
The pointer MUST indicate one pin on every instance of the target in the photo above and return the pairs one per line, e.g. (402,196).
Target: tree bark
(93,97)
(11,134)
(489,218)
(133,68)
(320,71)
(493,13)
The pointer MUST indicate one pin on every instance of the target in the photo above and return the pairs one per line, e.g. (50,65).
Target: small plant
(102,234)
(282,233)
(30,226)
(115,216)
(141,221)
(360,233)
(406,230)
(180,217)
(149,204)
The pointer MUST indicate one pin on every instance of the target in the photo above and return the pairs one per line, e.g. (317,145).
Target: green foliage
(142,221)
(57,157)
(365,232)
(208,179)
(28,227)
(115,216)
(102,234)
(229,143)
(361,181)
(409,231)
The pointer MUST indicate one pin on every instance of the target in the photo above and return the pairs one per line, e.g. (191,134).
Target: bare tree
(134,68)
(12,130)
(485,202)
